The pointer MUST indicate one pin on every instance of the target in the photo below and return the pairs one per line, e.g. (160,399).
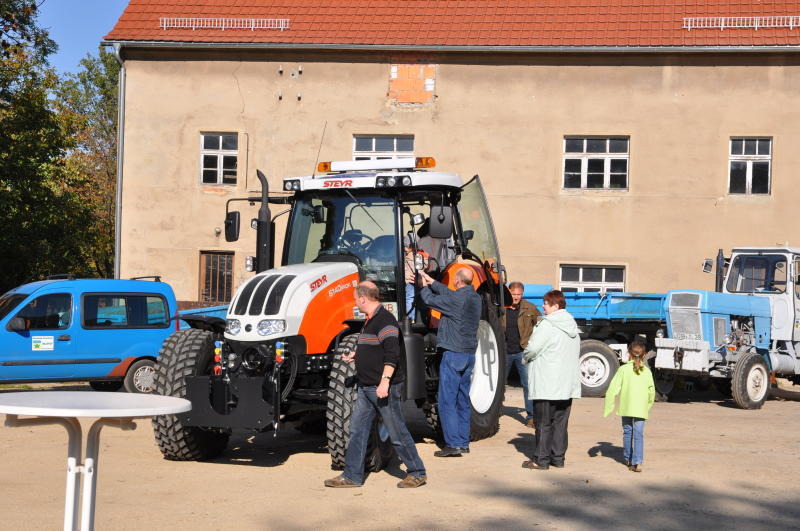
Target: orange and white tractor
(275,358)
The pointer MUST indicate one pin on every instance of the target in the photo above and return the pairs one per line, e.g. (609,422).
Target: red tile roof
(464,23)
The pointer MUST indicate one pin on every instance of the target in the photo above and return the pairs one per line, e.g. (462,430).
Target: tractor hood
(311,300)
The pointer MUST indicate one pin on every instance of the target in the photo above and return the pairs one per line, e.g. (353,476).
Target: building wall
(503,117)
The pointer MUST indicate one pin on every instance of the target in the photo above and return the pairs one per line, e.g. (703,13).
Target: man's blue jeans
(516,360)
(633,440)
(390,409)
(455,408)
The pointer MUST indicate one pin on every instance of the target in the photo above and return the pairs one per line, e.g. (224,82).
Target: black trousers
(552,417)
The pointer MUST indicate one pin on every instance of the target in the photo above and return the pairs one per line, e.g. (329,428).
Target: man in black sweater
(379,375)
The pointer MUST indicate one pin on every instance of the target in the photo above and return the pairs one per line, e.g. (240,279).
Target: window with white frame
(219,154)
(379,147)
(750,162)
(592,278)
(596,163)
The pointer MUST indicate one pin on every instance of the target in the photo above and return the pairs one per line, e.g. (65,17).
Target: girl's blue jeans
(633,440)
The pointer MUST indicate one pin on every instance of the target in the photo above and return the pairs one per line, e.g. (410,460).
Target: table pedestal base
(75,468)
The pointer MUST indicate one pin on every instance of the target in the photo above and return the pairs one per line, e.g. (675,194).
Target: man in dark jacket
(458,338)
(518,323)
(379,375)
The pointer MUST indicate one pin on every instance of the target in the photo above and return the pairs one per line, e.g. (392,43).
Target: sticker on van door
(42,343)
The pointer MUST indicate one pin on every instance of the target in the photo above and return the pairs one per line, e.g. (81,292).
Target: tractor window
(758,274)
(360,226)
(474,214)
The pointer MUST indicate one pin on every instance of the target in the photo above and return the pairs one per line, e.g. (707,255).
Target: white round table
(65,407)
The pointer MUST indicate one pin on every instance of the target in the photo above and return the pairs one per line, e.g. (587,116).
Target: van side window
(48,312)
(124,311)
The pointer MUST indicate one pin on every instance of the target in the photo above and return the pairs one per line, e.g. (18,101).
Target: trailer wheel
(750,382)
(341,401)
(140,377)
(598,363)
(185,353)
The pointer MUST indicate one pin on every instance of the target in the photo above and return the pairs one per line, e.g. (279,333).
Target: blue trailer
(608,322)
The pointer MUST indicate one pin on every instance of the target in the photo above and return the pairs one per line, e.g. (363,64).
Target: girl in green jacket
(634,383)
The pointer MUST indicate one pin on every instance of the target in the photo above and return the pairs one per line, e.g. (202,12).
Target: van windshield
(9,301)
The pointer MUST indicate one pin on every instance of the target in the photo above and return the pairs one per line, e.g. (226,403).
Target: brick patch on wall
(412,83)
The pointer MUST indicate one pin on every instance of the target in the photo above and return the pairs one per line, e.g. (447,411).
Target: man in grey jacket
(458,338)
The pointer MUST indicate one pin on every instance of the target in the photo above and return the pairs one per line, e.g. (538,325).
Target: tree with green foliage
(89,98)
(45,223)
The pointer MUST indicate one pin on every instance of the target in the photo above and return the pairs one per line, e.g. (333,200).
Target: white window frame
(749,160)
(606,157)
(220,154)
(581,285)
(381,155)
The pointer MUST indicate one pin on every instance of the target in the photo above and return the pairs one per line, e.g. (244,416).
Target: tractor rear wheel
(750,382)
(341,403)
(185,353)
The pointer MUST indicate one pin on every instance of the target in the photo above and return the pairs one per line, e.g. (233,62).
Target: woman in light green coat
(553,379)
(634,383)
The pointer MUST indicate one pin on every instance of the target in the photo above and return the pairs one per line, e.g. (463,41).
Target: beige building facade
(641,163)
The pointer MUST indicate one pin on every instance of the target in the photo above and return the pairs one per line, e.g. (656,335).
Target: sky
(77,26)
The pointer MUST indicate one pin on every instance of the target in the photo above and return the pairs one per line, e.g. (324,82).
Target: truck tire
(750,382)
(185,353)
(341,401)
(598,363)
(140,377)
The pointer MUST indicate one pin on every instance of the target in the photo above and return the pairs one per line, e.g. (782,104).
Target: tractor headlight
(660,333)
(406,181)
(233,327)
(271,326)
(391,181)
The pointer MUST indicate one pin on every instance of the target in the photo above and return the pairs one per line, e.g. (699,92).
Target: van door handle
(64,337)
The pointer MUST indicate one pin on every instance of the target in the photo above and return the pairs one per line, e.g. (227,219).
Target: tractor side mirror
(469,234)
(17,324)
(232,226)
(708,265)
(319,214)
(441,222)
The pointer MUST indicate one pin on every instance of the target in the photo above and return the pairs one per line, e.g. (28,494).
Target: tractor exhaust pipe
(265,229)
(720,271)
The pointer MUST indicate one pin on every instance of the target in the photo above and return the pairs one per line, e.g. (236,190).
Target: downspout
(120,145)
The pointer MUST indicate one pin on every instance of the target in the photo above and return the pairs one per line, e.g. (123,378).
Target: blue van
(107,332)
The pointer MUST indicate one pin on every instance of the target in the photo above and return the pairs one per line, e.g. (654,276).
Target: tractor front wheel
(342,395)
(750,382)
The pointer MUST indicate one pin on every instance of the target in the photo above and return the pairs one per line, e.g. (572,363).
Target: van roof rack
(61,276)
(156,278)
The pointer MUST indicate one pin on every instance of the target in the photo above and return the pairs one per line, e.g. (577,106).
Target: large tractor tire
(185,353)
(750,382)
(488,387)
(341,403)
(598,363)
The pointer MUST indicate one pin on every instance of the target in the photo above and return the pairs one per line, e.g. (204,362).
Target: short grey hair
(369,290)
(516,285)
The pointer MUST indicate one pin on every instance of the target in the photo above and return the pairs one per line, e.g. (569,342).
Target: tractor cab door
(477,233)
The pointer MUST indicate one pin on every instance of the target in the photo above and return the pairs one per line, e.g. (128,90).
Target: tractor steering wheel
(353,241)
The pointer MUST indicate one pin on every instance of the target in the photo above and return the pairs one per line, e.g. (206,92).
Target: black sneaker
(448,451)
(464,449)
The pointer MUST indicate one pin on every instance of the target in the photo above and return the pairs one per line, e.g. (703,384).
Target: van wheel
(750,382)
(140,377)
(185,353)
(341,402)
(597,363)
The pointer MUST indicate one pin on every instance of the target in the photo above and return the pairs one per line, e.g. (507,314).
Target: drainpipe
(120,145)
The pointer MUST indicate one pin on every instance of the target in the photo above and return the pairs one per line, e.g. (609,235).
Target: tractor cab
(378,215)
(771,273)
